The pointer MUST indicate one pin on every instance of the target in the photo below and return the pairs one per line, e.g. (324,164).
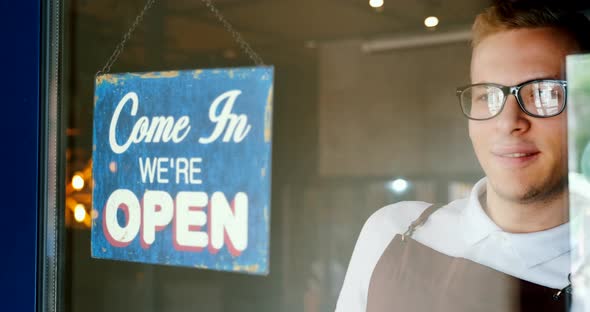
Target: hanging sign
(181,168)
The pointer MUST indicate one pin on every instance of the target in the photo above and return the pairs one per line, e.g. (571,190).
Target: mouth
(517,159)
(516,156)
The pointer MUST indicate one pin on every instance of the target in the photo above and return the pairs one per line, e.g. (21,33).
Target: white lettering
(189,219)
(148,170)
(118,149)
(158,129)
(161,169)
(231,219)
(157,168)
(235,126)
(227,223)
(194,169)
(158,210)
(118,235)
(181,169)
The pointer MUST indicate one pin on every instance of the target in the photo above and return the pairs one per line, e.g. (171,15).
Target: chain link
(236,35)
(119,48)
(228,27)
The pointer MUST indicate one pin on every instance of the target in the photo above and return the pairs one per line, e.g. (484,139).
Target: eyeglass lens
(542,99)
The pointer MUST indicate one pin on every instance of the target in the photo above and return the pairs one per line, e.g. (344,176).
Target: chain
(236,35)
(228,27)
(119,48)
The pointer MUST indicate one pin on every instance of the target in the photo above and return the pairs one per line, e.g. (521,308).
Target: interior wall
(393,113)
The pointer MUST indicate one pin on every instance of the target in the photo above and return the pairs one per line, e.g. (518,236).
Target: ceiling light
(431,21)
(399,186)
(376,3)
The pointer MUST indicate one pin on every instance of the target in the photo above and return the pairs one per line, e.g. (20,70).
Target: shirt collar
(534,248)
(474,220)
(539,247)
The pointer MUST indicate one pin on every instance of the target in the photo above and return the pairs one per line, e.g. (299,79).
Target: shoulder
(382,226)
(376,234)
(395,218)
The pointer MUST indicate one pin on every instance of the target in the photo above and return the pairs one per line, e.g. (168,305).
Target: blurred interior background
(365,115)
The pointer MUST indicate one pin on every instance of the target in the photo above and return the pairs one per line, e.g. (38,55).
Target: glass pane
(366,133)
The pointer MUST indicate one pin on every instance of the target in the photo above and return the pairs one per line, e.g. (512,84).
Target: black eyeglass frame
(514,90)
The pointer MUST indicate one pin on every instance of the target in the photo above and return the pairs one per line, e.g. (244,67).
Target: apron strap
(421,220)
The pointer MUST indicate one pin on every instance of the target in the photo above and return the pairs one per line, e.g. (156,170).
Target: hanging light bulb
(77,182)
(431,21)
(79,213)
(376,3)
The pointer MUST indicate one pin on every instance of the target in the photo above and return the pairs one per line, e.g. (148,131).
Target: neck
(525,217)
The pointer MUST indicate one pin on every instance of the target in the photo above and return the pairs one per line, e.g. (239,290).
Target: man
(505,247)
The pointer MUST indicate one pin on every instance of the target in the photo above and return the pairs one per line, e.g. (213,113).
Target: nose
(512,120)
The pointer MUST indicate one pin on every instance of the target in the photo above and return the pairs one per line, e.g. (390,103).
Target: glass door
(362,117)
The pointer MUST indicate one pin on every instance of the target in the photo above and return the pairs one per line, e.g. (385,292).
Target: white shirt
(459,229)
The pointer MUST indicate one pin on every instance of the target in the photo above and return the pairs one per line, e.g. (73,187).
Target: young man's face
(510,58)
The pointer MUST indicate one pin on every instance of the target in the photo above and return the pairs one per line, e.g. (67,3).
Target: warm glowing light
(376,3)
(79,213)
(399,186)
(431,21)
(77,182)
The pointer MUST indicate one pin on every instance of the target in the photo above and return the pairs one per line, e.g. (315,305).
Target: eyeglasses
(541,98)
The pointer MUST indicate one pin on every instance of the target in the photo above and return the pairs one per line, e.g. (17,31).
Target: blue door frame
(20,32)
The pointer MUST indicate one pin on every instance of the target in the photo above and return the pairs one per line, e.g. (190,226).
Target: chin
(523,196)
(525,193)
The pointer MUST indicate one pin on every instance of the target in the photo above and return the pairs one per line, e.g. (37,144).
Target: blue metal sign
(181,168)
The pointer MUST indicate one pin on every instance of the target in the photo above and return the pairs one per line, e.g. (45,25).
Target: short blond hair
(507,15)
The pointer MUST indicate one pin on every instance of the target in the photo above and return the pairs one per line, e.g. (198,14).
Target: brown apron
(412,277)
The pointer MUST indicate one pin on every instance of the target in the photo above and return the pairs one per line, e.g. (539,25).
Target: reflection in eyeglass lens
(495,100)
(542,98)
(486,101)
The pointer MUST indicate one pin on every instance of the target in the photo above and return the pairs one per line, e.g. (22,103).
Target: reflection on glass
(578,69)
(347,124)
